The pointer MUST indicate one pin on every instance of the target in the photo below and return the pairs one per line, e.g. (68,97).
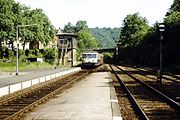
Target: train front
(89,59)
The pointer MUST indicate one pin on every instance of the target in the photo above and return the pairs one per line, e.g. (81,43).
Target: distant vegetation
(39,29)
(106,37)
(85,39)
(144,40)
(13,14)
(90,38)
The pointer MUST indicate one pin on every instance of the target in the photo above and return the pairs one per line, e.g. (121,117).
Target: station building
(66,44)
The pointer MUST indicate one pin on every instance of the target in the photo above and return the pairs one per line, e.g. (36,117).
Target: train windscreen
(89,55)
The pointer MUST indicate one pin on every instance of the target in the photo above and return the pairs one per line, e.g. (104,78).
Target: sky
(99,13)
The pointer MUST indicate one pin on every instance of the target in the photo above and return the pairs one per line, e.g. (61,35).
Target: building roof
(66,34)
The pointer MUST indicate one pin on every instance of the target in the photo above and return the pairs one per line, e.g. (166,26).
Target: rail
(132,99)
(165,98)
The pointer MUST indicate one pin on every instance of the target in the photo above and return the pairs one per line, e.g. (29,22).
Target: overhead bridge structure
(101,50)
(114,50)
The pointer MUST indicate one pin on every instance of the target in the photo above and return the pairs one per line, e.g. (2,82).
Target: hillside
(106,36)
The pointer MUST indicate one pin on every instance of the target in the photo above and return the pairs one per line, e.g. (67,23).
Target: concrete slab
(87,100)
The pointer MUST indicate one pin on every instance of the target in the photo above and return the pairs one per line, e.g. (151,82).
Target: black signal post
(161,28)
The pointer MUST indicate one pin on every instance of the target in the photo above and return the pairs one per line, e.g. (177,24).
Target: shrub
(40,55)
(22,58)
(11,53)
(21,52)
(49,56)
(6,53)
(32,56)
(36,52)
(42,51)
(27,52)
(30,52)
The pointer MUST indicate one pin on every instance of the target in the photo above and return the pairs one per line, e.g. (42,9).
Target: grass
(10,67)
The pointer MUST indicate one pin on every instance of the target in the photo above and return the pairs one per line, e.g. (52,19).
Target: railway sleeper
(8,110)
(6,113)
(170,117)
(2,117)
(159,113)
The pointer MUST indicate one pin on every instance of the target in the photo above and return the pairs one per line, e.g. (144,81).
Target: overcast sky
(99,13)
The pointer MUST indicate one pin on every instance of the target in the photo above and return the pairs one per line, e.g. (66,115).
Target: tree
(69,28)
(42,32)
(174,7)
(173,18)
(133,30)
(7,18)
(81,25)
(86,40)
(13,14)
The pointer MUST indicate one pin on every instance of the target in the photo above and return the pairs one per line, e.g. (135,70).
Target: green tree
(81,25)
(13,14)
(133,30)
(86,40)
(173,18)
(7,18)
(42,32)
(69,28)
(174,7)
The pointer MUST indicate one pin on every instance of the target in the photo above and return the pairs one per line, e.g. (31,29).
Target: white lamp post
(17,41)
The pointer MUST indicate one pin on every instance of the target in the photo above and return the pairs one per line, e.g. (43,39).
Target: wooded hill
(106,37)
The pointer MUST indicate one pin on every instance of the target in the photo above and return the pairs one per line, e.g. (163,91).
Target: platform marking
(114,100)
(117,118)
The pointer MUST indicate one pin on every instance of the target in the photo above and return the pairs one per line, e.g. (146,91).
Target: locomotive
(91,59)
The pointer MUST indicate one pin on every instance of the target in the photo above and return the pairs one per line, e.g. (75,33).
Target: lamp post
(17,42)
(118,44)
(161,28)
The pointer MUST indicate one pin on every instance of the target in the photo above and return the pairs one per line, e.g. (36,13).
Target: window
(88,55)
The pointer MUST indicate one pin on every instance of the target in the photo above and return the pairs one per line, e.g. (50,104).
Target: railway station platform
(93,98)
(9,82)
(9,78)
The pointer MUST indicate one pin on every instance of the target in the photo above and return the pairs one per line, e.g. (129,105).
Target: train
(91,59)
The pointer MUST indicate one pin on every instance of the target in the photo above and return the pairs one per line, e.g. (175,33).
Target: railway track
(13,107)
(170,87)
(166,76)
(147,102)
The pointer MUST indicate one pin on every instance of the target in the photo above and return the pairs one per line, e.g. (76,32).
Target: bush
(22,58)
(0,54)
(30,52)
(40,55)
(108,57)
(21,52)
(32,56)
(6,53)
(36,52)
(42,51)
(27,52)
(49,56)
(11,53)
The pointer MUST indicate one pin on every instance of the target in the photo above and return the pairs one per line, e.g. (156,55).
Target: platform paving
(89,99)
(9,78)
